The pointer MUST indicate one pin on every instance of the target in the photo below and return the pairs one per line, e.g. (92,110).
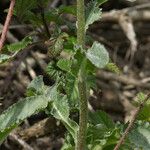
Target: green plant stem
(81,139)
(83,115)
(80,23)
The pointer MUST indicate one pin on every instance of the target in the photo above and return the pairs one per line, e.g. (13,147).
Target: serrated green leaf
(98,55)
(15,47)
(69,44)
(60,110)
(100,2)
(4,58)
(54,72)
(24,108)
(76,64)
(67,9)
(21,110)
(4,134)
(68,143)
(140,136)
(64,64)
(113,67)
(93,13)
(50,69)
(56,45)
(22,7)
(95,132)
(53,15)
(144,114)
(36,87)
(102,136)
(141,97)
(71,88)
(100,117)
(67,146)
(91,78)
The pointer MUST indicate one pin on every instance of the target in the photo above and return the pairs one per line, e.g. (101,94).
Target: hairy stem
(80,22)
(81,140)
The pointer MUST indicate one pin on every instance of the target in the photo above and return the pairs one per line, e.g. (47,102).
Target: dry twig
(10,37)
(7,22)
(121,141)
(128,28)
(20,142)
(41,128)
(136,13)
(122,78)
